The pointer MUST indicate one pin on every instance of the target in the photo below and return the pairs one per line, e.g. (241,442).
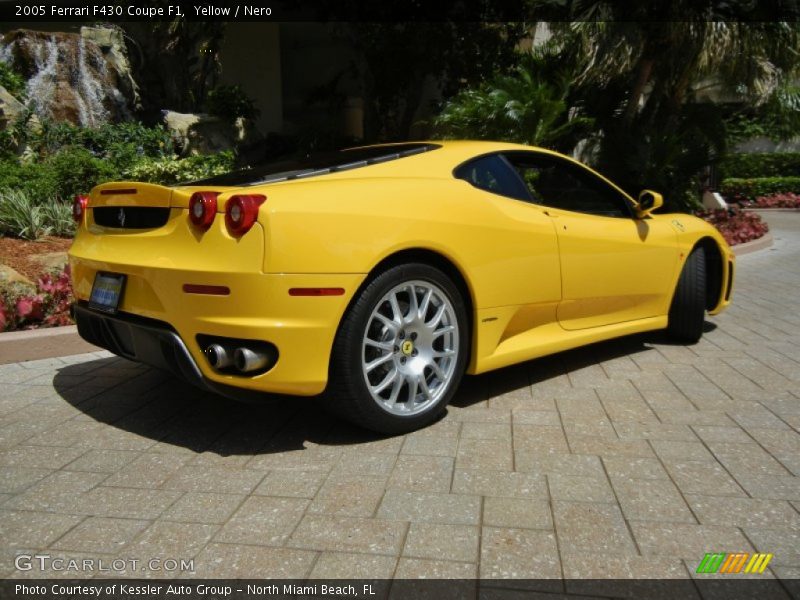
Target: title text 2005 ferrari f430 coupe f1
(380,275)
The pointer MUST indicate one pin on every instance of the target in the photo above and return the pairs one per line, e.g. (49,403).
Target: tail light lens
(79,208)
(241,212)
(203,209)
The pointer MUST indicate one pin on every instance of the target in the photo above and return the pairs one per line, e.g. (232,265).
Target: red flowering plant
(46,306)
(786,200)
(735,225)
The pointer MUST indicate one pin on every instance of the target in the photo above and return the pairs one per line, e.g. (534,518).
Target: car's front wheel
(400,351)
(688,309)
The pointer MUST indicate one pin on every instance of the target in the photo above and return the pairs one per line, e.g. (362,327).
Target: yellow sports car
(380,275)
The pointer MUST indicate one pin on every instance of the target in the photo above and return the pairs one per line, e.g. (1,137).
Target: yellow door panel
(613,269)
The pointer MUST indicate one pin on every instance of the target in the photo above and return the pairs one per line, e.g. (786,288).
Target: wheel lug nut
(403,360)
(396,349)
(402,335)
(413,336)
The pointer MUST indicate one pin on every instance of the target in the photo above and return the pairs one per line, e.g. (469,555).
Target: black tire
(688,309)
(347,394)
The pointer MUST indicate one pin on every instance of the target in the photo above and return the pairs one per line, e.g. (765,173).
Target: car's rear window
(316,164)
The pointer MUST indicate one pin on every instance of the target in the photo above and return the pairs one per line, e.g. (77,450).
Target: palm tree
(643,75)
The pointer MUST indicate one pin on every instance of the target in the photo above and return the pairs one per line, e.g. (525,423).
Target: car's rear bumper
(147,341)
(257,307)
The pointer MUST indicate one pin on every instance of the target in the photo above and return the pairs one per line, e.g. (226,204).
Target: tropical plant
(172,170)
(21,216)
(529,106)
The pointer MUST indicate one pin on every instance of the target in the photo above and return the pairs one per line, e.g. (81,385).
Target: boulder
(12,276)
(10,108)
(207,134)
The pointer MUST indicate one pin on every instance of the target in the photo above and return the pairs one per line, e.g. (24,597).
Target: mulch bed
(16,253)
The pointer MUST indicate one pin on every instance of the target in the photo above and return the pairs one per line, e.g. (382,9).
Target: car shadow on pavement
(156,406)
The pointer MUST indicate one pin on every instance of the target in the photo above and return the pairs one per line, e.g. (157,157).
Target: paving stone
(651,500)
(771,487)
(39,457)
(350,496)
(34,529)
(702,477)
(484,454)
(415,568)
(101,535)
(527,513)
(783,543)
(429,445)
(226,561)
(349,534)
(485,431)
(296,484)
(609,447)
(203,507)
(624,467)
(16,479)
(442,542)
(499,483)
(343,565)
(574,465)
(368,465)
(427,507)
(127,503)
(672,450)
(103,461)
(150,470)
(217,479)
(744,512)
(518,554)
(685,540)
(422,473)
(585,527)
(263,520)
(580,489)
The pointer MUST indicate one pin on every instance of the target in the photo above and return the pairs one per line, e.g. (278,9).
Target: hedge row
(737,189)
(768,164)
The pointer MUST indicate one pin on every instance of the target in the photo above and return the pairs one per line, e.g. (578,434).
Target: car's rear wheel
(688,309)
(400,351)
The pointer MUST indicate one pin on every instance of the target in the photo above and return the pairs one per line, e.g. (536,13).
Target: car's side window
(558,183)
(493,174)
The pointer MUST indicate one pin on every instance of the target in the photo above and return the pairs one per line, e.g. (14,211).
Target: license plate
(107,292)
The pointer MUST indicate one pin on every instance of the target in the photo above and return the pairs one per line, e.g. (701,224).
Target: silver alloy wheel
(410,348)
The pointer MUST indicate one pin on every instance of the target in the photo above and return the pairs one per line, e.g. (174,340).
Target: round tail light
(241,213)
(79,208)
(203,209)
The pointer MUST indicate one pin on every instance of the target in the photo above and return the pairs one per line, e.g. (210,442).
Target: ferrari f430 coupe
(381,275)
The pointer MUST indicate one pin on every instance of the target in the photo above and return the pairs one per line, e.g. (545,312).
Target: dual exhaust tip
(242,359)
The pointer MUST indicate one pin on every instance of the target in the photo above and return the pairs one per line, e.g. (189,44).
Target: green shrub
(76,171)
(119,143)
(172,170)
(767,164)
(737,189)
(21,216)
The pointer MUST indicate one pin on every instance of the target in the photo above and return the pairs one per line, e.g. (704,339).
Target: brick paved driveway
(630,459)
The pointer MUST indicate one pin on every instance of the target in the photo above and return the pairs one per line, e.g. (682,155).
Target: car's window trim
(627,201)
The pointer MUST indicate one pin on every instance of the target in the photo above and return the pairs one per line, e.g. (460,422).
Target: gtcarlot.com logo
(734,562)
(45,562)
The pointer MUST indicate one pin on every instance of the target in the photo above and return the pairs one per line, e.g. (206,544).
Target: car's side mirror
(648,202)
